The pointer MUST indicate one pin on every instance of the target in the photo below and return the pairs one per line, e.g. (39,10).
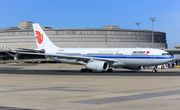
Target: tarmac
(63,87)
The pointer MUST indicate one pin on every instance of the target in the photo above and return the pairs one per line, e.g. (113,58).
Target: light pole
(152,19)
(138,31)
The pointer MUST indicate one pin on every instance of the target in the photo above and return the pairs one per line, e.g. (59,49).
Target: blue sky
(95,14)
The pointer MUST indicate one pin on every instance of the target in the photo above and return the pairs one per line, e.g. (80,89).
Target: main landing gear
(86,70)
(83,70)
(109,70)
(154,69)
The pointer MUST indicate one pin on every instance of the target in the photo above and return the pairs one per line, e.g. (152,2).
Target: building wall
(101,38)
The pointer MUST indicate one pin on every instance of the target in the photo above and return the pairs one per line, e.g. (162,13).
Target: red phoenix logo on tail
(39,37)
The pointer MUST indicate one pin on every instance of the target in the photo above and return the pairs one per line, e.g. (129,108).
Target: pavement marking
(9,85)
(49,88)
(14,108)
(70,97)
(62,66)
(10,68)
(177,99)
(128,98)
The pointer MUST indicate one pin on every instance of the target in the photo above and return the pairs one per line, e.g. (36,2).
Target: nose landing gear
(154,70)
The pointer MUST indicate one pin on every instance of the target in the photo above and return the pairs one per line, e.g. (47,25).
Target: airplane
(98,59)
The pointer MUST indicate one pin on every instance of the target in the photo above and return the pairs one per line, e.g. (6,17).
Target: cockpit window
(165,53)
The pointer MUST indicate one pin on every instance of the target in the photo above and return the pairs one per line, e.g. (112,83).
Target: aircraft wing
(78,57)
(82,57)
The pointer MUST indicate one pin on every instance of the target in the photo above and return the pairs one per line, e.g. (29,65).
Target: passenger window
(165,53)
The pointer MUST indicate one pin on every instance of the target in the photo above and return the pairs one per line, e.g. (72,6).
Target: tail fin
(42,39)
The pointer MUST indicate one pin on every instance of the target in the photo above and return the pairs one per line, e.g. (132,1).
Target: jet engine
(132,67)
(98,66)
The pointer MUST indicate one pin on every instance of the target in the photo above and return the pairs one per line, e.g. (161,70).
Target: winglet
(13,55)
(12,50)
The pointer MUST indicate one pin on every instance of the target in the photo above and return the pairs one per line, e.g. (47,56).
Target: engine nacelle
(98,65)
(132,67)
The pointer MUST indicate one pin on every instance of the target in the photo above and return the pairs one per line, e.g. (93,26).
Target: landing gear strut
(154,70)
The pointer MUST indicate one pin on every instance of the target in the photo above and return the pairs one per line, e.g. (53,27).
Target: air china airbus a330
(99,59)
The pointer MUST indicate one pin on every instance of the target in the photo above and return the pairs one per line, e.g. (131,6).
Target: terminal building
(106,37)
(175,53)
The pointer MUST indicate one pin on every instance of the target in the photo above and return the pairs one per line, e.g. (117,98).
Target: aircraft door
(152,58)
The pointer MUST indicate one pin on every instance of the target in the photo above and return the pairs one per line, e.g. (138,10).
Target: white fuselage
(123,56)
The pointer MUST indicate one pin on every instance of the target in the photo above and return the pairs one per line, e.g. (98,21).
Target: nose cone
(170,57)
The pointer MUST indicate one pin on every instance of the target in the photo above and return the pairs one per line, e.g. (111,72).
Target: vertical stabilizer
(42,39)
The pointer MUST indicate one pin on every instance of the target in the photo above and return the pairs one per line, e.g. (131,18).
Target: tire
(82,70)
(86,70)
(89,71)
(154,71)
(110,70)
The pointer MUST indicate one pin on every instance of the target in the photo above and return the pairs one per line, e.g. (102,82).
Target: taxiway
(63,87)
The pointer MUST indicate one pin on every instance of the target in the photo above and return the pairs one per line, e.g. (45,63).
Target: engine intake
(98,66)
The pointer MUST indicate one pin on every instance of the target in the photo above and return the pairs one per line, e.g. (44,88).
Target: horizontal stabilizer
(32,50)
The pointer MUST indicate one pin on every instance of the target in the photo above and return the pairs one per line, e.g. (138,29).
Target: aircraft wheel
(110,70)
(86,70)
(83,70)
(154,71)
